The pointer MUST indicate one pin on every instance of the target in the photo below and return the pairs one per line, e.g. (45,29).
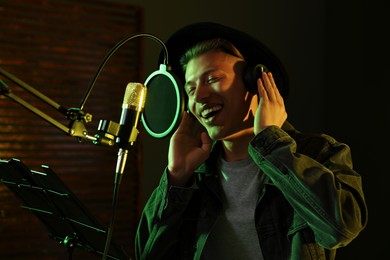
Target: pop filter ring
(154,128)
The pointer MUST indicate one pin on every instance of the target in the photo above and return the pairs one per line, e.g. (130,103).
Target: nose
(201,93)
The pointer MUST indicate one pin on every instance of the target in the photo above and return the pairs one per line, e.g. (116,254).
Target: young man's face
(217,95)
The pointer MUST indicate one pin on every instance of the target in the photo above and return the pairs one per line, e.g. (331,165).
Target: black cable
(110,229)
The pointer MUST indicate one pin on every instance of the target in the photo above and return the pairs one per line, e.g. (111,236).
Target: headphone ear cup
(251,74)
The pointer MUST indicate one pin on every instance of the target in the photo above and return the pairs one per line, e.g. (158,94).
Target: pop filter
(164,104)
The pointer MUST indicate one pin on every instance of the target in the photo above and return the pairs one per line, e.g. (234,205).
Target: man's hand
(188,149)
(271,109)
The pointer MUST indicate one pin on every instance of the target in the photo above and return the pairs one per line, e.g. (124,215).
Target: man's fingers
(269,87)
(187,123)
(206,142)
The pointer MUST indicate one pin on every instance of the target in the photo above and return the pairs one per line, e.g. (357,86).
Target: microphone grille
(135,96)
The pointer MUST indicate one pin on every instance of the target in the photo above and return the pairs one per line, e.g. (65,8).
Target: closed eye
(213,79)
(190,91)
(189,88)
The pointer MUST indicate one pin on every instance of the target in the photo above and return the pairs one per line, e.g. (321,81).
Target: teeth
(210,110)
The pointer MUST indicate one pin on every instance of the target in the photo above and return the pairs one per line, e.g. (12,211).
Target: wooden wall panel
(56,47)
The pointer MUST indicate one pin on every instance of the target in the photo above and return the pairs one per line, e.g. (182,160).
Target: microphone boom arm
(78,118)
(32,91)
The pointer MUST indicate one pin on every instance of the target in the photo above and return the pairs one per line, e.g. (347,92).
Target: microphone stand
(76,115)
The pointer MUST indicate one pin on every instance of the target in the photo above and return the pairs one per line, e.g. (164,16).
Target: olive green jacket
(311,204)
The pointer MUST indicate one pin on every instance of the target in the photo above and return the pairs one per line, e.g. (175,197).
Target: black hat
(254,51)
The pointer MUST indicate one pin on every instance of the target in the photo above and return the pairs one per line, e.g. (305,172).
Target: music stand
(55,205)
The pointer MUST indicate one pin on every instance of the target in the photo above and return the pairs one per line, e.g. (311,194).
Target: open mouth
(210,112)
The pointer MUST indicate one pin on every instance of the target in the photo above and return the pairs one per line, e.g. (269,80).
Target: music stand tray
(55,205)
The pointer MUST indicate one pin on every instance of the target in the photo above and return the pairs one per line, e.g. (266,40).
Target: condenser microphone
(132,107)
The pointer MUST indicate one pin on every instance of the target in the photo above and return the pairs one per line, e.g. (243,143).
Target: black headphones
(251,74)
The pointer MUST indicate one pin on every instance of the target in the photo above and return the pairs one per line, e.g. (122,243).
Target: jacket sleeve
(160,222)
(317,178)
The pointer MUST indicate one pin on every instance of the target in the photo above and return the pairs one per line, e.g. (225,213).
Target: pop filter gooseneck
(109,55)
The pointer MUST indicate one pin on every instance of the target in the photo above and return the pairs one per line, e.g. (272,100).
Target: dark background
(336,54)
(337,57)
